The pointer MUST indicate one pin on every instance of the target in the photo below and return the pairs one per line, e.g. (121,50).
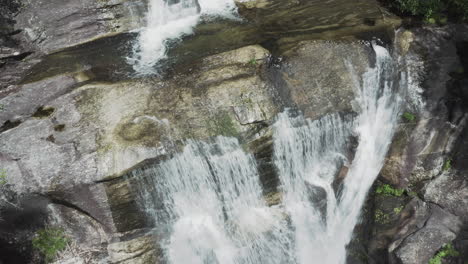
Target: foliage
(447,165)
(386,189)
(433,10)
(381,217)
(3,176)
(409,117)
(50,241)
(397,210)
(446,251)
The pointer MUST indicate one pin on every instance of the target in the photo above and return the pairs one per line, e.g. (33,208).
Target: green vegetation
(223,125)
(409,117)
(3,176)
(50,241)
(433,11)
(381,217)
(2,107)
(253,61)
(386,189)
(446,251)
(397,210)
(447,165)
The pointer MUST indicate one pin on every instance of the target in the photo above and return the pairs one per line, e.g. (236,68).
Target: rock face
(70,132)
(88,135)
(49,26)
(424,159)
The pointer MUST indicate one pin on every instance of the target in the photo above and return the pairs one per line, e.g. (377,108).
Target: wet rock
(52,25)
(451,192)
(134,251)
(441,228)
(316,78)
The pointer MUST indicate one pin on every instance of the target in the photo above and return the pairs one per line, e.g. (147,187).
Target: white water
(210,199)
(168,23)
(311,155)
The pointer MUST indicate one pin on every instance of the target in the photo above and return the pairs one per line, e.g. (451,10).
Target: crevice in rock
(9,125)
(141,165)
(74,207)
(43,112)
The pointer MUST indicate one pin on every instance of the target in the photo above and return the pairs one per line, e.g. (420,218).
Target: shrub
(386,189)
(433,10)
(446,251)
(50,241)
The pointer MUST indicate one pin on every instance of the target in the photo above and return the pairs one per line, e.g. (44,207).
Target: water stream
(167,22)
(210,200)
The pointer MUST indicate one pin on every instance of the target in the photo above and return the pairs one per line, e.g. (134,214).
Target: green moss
(409,117)
(386,189)
(3,176)
(222,124)
(397,210)
(2,107)
(381,217)
(447,165)
(49,242)
(446,251)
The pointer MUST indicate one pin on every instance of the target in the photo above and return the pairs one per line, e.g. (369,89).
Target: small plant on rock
(253,61)
(49,242)
(397,210)
(386,189)
(446,251)
(409,117)
(3,176)
(447,165)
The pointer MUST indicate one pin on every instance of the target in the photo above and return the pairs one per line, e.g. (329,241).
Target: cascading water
(210,198)
(169,20)
(212,201)
(308,158)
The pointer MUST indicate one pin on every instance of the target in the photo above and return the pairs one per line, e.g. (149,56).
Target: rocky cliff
(75,122)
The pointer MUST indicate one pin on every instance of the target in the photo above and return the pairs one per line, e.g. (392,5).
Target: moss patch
(222,124)
(381,217)
(145,132)
(397,210)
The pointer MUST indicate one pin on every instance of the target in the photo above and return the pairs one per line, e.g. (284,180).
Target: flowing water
(210,200)
(168,21)
(309,157)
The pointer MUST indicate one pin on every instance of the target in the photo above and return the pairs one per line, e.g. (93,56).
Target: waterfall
(209,201)
(309,156)
(167,21)
(211,198)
